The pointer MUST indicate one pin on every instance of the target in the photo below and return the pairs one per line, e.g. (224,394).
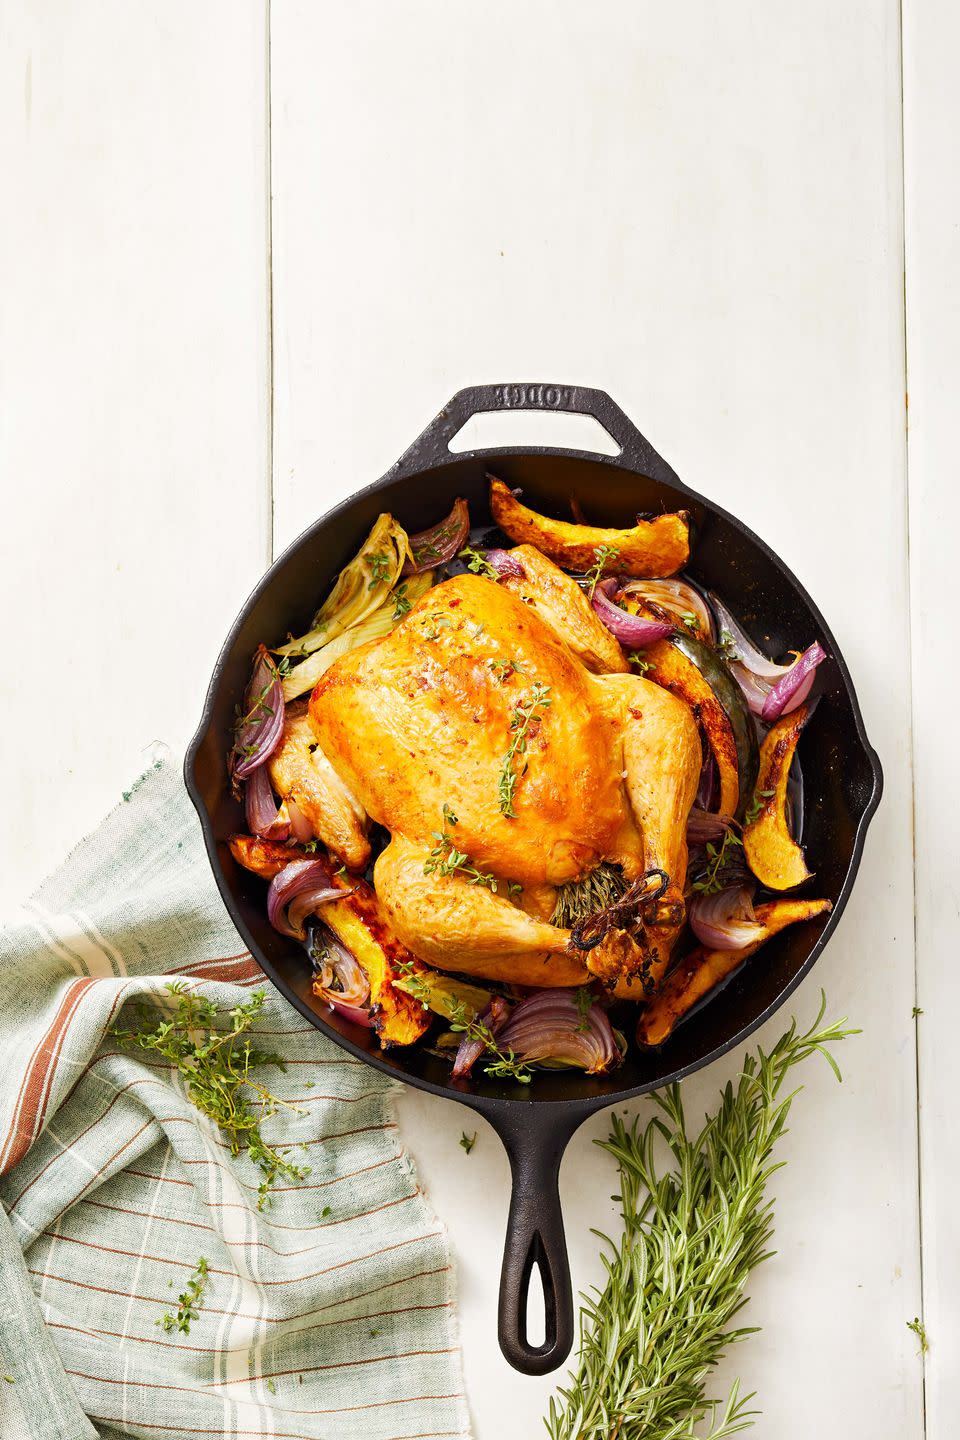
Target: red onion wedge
(340,979)
(493,1017)
(441,542)
(504,563)
(631,630)
(791,691)
(299,890)
(678,597)
(770,690)
(550,1026)
(725,921)
(703,825)
(260,728)
(260,808)
(300,828)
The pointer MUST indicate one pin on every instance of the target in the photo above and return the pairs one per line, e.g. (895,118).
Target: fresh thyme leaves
(310,846)
(216,1065)
(603,887)
(636,657)
(445,859)
(188,1301)
(690,620)
(437,621)
(503,669)
(760,797)
(527,710)
(272,1386)
(478,562)
(583,1000)
(279,669)
(916,1012)
(502,1063)
(401,601)
(719,862)
(919,1329)
(602,557)
(651,1337)
(326,1211)
(381,569)
(514,888)
(727,646)
(467,1142)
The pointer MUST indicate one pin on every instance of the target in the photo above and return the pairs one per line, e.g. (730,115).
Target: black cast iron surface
(842,776)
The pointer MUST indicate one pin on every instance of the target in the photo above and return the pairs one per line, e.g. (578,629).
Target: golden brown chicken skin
(474,729)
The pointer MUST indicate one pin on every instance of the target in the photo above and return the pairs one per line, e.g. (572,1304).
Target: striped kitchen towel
(330,1314)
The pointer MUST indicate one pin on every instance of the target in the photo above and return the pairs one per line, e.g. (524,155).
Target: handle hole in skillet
(537,1309)
(490,429)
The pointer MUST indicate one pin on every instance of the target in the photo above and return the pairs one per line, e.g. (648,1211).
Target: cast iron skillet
(842,777)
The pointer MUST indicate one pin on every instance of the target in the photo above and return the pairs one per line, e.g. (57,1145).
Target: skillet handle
(535,1237)
(432,448)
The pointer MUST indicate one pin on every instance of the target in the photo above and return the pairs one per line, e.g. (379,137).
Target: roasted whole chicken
(497,724)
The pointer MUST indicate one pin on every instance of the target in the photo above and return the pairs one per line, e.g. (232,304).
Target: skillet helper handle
(535,1237)
(433,446)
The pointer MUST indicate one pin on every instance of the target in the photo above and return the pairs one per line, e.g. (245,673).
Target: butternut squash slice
(265,858)
(650,549)
(695,673)
(358,920)
(771,851)
(700,971)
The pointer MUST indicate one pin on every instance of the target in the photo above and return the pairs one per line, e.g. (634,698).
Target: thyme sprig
(381,569)
(477,562)
(693,1232)
(721,868)
(445,859)
(401,601)
(217,1065)
(188,1301)
(503,669)
(503,1064)
(602,558)
(757,803)
(528,709)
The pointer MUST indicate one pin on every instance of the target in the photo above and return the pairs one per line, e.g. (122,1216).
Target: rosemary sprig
(527,709)
(675,1280)
(577,899)
(478,563)
(446,859)
(216,1065)
(602,557)
(188,1301)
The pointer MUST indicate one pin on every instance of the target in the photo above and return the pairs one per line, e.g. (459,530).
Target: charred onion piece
(260,807)
(676,596)
(504,563)
(340,979)
(551,1026)
(441,542)
(770,690)
(296,892)
(634,631)
(624,914)
(704,825)
(725,921)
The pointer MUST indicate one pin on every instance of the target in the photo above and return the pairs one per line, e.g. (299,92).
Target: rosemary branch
(692,1234)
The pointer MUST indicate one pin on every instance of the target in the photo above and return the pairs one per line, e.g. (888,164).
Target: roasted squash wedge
(771,851)
(693,671)
(651,548)
(358,920)
(265,858)
(700,971)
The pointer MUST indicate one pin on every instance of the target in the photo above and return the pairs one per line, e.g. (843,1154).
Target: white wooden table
(250,248)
